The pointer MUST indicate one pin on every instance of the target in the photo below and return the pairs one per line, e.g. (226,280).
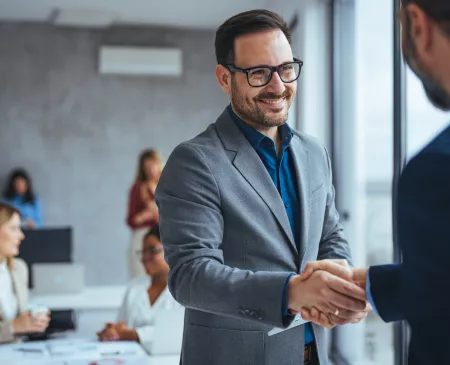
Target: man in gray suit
(244,206)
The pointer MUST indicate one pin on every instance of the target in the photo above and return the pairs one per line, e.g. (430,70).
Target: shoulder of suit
(439,145)
(204,143)
(207,138)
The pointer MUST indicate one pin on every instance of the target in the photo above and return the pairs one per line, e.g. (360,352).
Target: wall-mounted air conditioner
(140,61)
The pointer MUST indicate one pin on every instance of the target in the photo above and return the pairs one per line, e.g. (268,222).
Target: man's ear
(223,76)
(420,28)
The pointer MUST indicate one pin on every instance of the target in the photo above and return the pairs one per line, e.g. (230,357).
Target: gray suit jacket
(230,246)
(19,276)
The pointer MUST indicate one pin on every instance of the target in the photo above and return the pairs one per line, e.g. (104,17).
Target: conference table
(80,352)
(93,307)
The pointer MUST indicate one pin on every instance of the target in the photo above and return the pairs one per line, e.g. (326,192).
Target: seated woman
(14,318)
(144,295)
(19,193)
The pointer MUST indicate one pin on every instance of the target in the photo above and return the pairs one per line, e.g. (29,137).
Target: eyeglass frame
(234,68)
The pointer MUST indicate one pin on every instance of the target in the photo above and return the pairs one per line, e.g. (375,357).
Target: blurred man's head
(426,46)
(247,40)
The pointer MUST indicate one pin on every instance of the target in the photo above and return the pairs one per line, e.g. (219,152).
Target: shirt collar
(255,138)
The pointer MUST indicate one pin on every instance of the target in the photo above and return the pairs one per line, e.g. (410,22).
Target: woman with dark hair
(145,295)
(20,194)
(142,209)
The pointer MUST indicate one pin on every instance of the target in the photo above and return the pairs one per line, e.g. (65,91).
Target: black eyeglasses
(260,76)
(150,251)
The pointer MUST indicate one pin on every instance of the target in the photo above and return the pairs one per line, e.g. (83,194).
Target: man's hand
(327,292)
(332,320)
(339,268)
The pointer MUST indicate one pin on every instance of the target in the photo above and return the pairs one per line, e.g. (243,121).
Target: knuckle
(349,303)
(324,276)
(323,292)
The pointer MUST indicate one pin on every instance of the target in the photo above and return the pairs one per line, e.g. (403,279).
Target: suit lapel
(248,163)
(302,169)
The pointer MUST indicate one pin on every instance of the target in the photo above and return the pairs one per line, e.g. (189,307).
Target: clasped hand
(117,332)
(329,293)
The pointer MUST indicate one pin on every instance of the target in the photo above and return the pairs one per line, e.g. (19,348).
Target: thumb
(305,313)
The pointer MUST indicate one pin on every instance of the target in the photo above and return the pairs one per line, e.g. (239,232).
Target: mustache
(269,95)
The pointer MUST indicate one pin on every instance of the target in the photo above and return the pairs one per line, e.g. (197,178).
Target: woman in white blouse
(143,297)
(14,318)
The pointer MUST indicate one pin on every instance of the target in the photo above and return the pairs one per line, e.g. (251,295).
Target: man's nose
(276,85)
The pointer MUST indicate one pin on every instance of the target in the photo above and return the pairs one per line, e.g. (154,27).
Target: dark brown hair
(438,10)
(10,189)
(248,22)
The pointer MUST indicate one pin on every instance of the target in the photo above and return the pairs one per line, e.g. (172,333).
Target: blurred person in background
(144,295)
(142,209)
(19,192)
(14,318)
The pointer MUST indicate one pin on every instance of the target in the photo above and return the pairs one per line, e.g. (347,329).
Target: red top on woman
(136,204)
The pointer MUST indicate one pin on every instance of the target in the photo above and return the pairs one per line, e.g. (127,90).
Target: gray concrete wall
(79,133)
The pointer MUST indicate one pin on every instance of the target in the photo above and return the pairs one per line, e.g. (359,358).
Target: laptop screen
(48,245)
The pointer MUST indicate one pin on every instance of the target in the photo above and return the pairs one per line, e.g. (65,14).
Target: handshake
(329,293)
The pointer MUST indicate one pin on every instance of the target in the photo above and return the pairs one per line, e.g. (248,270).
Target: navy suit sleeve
(414,289)
(424,220)
(386,293)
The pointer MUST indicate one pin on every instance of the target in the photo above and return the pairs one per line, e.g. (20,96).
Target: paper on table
(23,351)
(298,320)
(121,361)
(120,348)
(73,352)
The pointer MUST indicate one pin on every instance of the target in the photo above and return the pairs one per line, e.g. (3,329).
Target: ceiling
(98,13)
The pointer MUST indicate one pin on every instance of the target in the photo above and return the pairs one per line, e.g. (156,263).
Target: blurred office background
(78,128)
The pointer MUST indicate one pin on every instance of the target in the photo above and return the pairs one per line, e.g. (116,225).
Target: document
(25,352)
(73,352)
(298,320)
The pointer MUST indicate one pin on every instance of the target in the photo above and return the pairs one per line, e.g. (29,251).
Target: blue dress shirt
(28,211)
(282,171)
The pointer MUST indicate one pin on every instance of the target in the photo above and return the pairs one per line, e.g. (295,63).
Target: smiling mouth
(273,101)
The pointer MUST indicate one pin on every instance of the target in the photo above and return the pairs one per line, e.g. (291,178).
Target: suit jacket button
(254,314)
(241,312)
(247,312)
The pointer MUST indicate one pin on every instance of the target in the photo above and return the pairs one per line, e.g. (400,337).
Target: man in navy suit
(417,290)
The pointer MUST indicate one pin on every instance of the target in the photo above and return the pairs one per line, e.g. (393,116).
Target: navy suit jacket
(417,290)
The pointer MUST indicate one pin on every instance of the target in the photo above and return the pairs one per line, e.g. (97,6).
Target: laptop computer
(168,338)
(46,245)
(58,278)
